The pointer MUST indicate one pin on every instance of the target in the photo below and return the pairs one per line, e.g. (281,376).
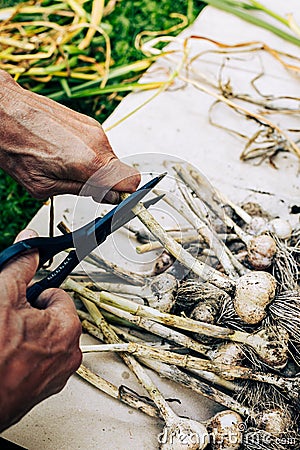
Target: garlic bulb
(274,421)
(204,312)
(257,226)
(271,344)
(226,431)
(254,292)
(184,434)
(229,353)
(162,289)
(282,228)
(261,251)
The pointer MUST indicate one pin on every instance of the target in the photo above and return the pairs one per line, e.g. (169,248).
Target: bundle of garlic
(236,320)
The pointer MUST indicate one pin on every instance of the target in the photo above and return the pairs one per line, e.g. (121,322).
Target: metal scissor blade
(153,201)
(118,222)
(122,213)
(137,196)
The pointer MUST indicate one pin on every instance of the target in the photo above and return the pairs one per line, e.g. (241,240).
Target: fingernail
(26,234)
(111,197)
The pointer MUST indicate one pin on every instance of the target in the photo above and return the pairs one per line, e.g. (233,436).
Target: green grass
(17,208)
(127,20)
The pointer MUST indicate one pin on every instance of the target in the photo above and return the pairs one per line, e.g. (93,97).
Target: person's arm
(39,348)
(51,149)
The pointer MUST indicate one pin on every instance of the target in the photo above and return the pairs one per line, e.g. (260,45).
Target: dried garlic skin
(271,345)
(229,353)
(193,296)
(204,312)
(163,288)
(274,421)
(257,226)
(226,431)
(261,251)
(254,292)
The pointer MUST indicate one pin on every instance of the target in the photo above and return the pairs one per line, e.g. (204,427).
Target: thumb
(114,175)
(61,307)
(58,301)
(127,178)
(26,234)
(23,267)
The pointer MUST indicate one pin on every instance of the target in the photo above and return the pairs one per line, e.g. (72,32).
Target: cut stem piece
(155,245)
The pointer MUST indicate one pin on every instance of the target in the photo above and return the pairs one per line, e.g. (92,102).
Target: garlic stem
(201,211)
(171,335)
(290,386)
(156,245)
(160,330)
(94,331)
(200,186)
(112,338)
(202,270)
(258,311)
(270,348)
(114,392)
(174,424)
(173,373)
(198,208)
(236,208)
(210,237)
(159,290)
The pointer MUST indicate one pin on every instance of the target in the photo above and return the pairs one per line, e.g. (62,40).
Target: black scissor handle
(54,279)
(84,240)
(12,251)
(47,247)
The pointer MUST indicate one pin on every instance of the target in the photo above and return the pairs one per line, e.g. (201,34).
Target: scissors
(83,241)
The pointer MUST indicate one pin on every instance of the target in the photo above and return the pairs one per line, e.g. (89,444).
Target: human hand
(50,149)
(39,348)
